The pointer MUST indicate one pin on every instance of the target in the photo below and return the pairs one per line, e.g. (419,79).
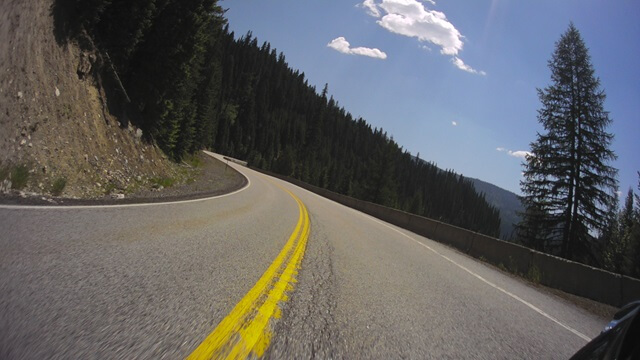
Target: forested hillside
(176,70)
(507,202)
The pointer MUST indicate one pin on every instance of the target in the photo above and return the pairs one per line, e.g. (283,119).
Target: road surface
(156,281)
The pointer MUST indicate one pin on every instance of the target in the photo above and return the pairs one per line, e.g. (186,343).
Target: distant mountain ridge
(507,203)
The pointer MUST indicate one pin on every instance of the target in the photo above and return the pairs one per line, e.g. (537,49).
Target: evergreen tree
(627,222)
(633,264)
(567,178)
(613,247)
(532,230)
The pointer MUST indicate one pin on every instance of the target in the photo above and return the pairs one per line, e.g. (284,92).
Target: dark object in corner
(620,339)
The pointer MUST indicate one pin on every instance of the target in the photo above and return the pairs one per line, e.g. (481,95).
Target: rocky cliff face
(55,125)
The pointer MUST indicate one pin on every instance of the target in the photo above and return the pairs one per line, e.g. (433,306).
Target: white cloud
(371,7)
(522,154)
(342,45)
(462,66)
(411,18)
(454,123)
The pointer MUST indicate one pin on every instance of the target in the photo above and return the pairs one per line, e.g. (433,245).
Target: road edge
(68,203)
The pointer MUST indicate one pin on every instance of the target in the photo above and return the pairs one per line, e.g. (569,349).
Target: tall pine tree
(567,180)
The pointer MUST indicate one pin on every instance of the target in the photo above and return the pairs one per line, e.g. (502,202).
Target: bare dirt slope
(56,124)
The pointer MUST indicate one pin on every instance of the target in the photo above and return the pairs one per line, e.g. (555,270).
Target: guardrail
(240,162)
(552,271)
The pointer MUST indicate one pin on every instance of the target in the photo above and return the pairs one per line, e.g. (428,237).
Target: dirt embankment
(56,133)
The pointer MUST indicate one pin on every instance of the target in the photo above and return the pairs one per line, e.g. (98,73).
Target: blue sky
(455,80)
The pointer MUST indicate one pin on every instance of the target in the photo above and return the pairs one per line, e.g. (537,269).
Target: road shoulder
(211,177)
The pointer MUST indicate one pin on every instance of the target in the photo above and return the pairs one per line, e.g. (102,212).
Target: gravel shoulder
(210,177)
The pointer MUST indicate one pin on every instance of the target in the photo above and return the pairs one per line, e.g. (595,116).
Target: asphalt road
(153,281)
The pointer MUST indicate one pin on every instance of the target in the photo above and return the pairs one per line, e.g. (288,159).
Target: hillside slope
(189,84)
(505,201)
(54,120)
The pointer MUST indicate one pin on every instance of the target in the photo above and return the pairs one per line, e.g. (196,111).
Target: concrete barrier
(513,257)
(454,236)
(398,218)
(578,279)
(551,271)
(423,226)
(239,162)
(630,290)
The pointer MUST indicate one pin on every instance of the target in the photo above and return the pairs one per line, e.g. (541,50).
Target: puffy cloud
(342,45)
(454,123)
(411,18)
(522,154)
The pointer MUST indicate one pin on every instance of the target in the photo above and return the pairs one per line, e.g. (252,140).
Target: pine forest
(176,70)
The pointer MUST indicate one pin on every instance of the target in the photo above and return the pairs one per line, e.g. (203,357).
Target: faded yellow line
(245,330)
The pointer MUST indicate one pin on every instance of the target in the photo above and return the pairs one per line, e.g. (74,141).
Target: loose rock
(85,65)
(5,186)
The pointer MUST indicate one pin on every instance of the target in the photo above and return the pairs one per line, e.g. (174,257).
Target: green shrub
(108,189)
(19,177)
(534,274)
(193,160)
(58,186)
(163,181)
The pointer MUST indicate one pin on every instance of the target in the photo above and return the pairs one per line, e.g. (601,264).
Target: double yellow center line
(245,331)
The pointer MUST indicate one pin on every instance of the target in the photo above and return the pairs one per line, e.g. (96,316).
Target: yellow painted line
(245,331)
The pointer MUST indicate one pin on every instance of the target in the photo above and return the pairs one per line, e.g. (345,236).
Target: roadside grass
(19,177)
(163,181)
(193,160)
(109,188)
(58,186)
(132,187)
(503,268)
(534,274)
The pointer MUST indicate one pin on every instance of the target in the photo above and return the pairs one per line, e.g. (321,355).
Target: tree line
(190,83)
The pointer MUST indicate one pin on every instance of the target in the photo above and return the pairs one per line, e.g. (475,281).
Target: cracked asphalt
(152,282)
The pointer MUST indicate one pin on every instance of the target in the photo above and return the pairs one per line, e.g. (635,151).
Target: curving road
(154,281)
